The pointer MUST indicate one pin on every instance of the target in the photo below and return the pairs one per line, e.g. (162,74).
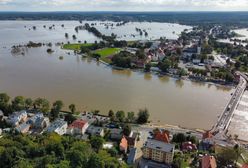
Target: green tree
(143,116)
(72,107)
(69,118)
(10,156)
(182,72)
(57,106)
(111,114)
(18,103)
(77,158)
(4,101)
(126,129)
(41,104)
(164,66)
(148,67)
(66,35)
(140,53)
(237,64)
(95,162)
(113,152)
(23,164)
(179,138)
(130,116)
(228,156)
(97,142)
(28,103)
(120,115)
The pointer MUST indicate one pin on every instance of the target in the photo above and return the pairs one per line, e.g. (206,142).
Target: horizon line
(210,11)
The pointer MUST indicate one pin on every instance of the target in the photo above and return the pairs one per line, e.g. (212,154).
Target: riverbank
(160,74)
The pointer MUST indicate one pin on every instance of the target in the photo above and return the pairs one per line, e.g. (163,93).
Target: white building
(23,128)
(59,126)
(17,117)
(39,121)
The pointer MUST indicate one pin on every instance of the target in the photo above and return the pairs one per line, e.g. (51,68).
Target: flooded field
(91,85)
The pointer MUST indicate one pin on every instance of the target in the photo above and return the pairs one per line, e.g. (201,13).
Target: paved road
(224,120)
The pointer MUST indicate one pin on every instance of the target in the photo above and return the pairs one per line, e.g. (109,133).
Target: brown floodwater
(91,85)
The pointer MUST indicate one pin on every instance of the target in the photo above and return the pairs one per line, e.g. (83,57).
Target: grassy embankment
(106,52)
(75,46)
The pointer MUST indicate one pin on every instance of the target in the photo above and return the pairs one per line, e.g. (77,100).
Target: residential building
(196,61)
(23,128)
(208,162)
(189,52)
(116,134)
(162,136)
(132,156)
(188,146)
(42,123)
(38,121)
(59,126)
(77,127)
(158,151)
(132,139)
(17,117)
(1,113)
(95,131)
(245,166)
(108,145)
(123,145)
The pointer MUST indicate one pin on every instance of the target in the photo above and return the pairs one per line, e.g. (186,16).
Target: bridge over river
(220,128)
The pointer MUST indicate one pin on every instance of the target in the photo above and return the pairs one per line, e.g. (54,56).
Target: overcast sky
(123,5)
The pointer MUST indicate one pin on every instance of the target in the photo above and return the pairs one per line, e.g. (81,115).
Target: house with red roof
(207,141)
(245,166)
(162,136)
(188,146)
(123,145)
(208,162)
(207,135)
(77,127)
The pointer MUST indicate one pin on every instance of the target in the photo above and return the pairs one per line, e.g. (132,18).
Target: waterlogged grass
(75,46)
(106,52)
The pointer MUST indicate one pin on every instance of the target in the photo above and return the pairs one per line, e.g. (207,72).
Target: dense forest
(239,19)
(54,151)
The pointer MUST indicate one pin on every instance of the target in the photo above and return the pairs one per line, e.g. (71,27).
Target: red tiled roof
(124,143)
(245,166)
(162,136)
(208,162)
(188,146)
(78,124)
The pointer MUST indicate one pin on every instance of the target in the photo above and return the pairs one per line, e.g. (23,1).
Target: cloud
(5,1)
(123,5)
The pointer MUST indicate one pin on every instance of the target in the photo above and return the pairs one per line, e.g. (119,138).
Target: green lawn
(75,46)
(104,53)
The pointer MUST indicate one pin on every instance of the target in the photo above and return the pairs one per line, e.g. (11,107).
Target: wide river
(91,85)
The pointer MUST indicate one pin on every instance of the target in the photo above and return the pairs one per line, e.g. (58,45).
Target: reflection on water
(125,72)
(164,79)
(179,83)
(147,76)
(198,84)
